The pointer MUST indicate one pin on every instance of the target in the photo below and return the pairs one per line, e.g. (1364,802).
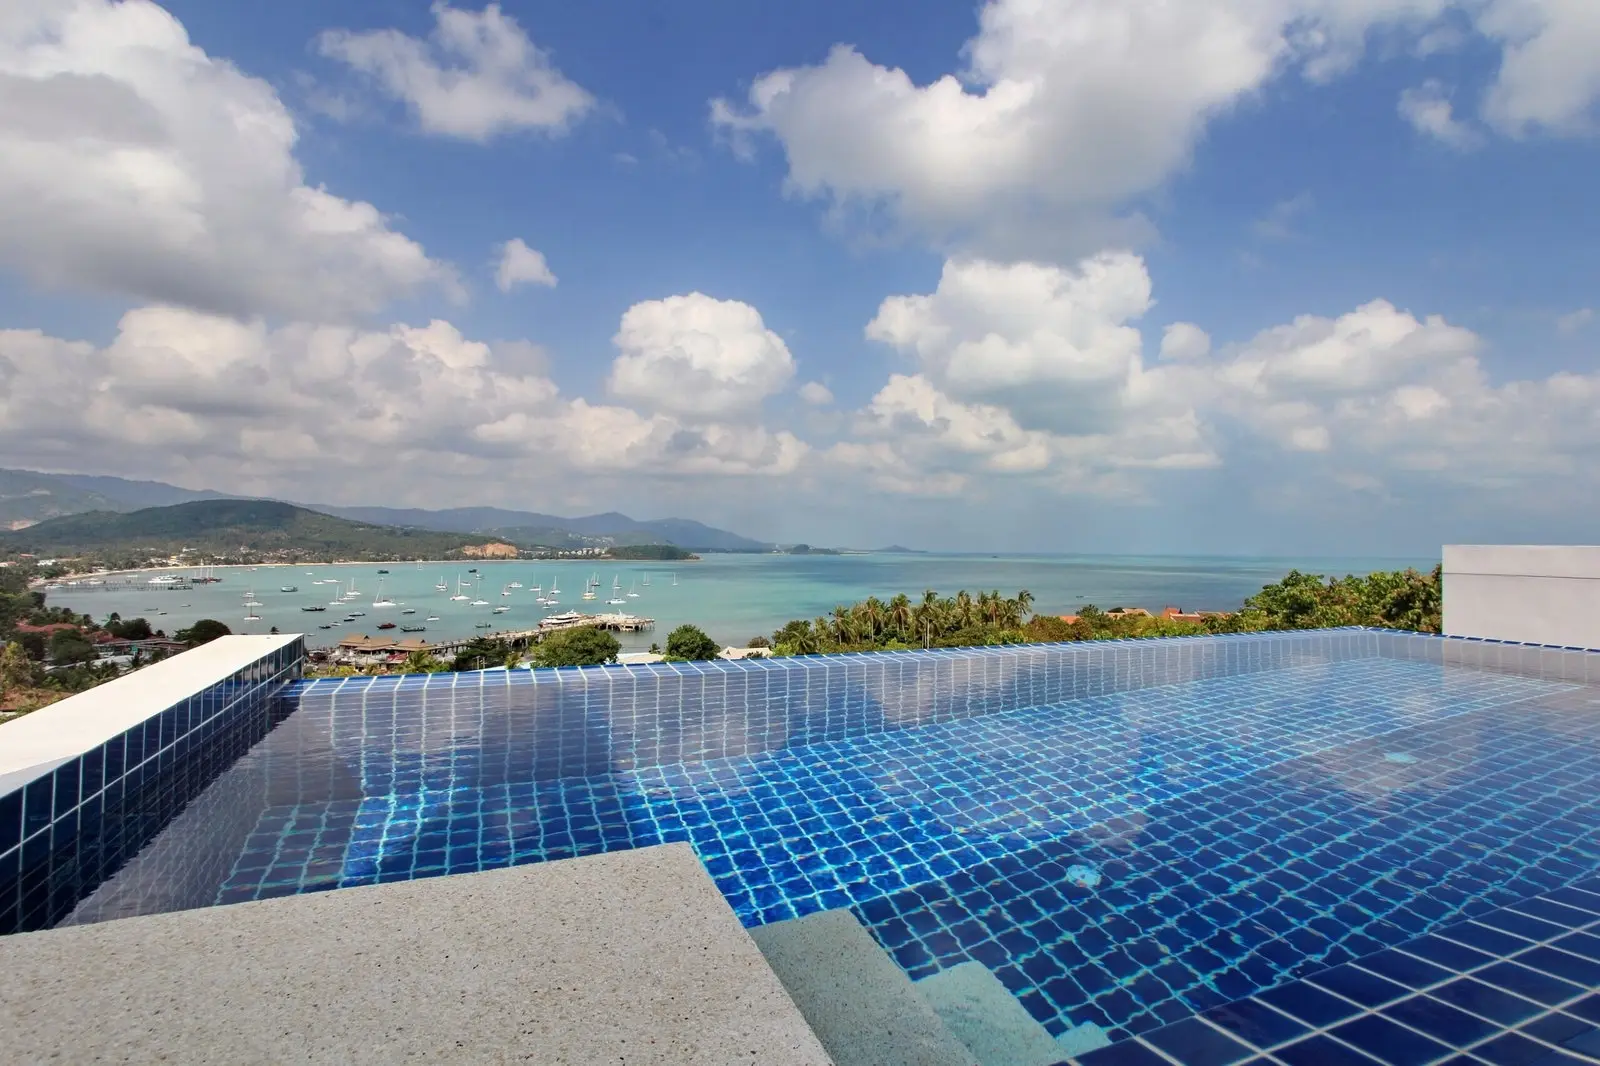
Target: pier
(120,585)
(365,648)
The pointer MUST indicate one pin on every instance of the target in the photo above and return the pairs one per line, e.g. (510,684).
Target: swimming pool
(1125,833)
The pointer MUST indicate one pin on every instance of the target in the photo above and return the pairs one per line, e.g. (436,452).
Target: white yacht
(440,586)
(381,600)
(460,595)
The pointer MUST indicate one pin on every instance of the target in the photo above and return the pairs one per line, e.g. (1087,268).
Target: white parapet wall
(1532,593)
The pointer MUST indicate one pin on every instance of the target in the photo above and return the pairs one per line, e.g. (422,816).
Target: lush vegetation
(649,551)
(1396,600)
(689,644)
(227,531)
(580,646)
(202,632)
(53,653)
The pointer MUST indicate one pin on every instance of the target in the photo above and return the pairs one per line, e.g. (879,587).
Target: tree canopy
(581,646)
(202,632)
(691,643)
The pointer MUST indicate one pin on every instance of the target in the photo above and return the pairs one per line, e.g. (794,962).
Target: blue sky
(1078,275)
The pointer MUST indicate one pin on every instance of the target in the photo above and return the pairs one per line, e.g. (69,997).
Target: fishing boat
(409,610)
(356,614)
(481,625)
(383,571)
(413,629)
(288,588)
(385,625)
(382,600)
(472,569)
(314,607)
(327,625)
(459,594)
(431,618)
(502,609)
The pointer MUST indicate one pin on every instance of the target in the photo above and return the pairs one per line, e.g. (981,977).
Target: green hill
(254,529)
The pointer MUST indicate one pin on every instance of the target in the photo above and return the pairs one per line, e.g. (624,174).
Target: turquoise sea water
(732,597)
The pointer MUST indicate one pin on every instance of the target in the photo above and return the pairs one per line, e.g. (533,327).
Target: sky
(1246,277)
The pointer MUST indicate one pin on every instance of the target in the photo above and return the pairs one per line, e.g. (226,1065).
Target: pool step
(862,1006)
(994,1025)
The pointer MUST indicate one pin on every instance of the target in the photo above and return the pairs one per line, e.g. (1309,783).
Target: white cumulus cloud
(477,76)
(1063,111)
(698,356)
(1429,111)
(133,163)
(520,264)
(1067,111)
(307,409)
(816,393)
(1185,340)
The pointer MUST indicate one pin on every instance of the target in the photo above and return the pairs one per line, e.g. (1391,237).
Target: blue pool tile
(1321,1051)
(1514,1049)
(1367,989)
(1479,998)
(1532,984)
(1579,970)
(1440,1021)
(1309,1003)
(1256,1023)
(1123,1053)
(1194,1043)
(1388,1042)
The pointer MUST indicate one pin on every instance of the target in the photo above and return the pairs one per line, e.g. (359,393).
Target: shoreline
(40,581)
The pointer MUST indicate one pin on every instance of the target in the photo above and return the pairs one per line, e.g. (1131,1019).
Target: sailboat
(459,594)
(352,594)
(440,586)
(251,616)
(480,601)
(381,600)
(507,590)
(646,580)
(514,585)
(250,599)
(338,597)
(674,579)
(633,592)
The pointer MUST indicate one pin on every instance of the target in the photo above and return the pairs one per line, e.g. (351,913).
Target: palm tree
(873,613)
(964,609)
(843,628)
(900,614)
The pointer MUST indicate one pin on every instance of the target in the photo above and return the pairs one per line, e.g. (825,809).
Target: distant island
(232,532)
(29,497)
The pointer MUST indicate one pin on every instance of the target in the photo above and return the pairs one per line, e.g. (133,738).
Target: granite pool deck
(627,957)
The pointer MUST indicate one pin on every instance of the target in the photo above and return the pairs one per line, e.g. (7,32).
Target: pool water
(1126,859)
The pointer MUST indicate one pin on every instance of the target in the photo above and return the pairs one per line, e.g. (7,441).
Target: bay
(732,597)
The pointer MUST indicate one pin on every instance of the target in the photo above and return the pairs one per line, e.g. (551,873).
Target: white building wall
(1534,593)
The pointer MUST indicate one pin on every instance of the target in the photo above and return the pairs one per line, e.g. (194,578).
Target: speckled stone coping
(628,957)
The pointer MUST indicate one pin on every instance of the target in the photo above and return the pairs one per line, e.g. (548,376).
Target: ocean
(732,597)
